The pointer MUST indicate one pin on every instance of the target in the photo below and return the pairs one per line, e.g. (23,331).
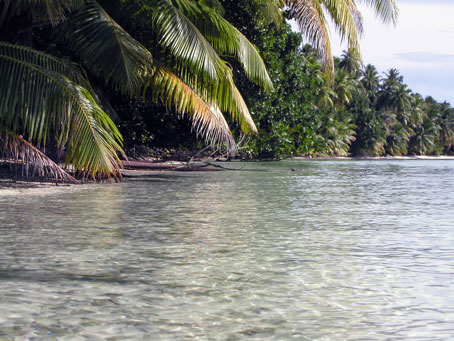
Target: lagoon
(331,250)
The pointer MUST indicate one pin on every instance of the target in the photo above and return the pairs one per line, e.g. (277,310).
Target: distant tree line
(357,112)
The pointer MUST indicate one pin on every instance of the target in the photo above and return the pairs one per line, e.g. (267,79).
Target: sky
(420,46)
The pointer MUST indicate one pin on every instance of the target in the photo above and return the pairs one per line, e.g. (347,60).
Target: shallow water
(335,250)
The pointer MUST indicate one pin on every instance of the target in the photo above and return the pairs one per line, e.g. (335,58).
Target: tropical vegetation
(86,79)
(59,58)
(357,112)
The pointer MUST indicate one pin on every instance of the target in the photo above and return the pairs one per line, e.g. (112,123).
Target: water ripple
(337,250)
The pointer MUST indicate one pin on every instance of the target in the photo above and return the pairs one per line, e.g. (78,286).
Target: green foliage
(392,120)
(285,117)
(172,56)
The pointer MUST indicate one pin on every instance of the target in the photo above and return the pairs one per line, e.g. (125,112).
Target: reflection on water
(336,250)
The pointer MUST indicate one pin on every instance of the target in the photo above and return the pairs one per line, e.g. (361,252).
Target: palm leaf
(347,21)
(207,118)
(41,10)
(214,4)
(34,163)
(269,11)
(229,100)
(221,91)
(112,53)
(225,95)
(385,9)
(98,38)
(226,40)
(42,98)
(311,20)
(178,33)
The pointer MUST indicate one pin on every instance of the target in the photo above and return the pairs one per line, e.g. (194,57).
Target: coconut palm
(423,140)
(311,16)
(49,101)
(338,135)
(350,63)
(343,88)
(441,119)
(445,123)
(370,79)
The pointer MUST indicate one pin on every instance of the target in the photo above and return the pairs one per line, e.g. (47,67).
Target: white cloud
(426,57)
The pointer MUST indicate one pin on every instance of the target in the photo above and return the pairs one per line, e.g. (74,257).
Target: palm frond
(179,34)
(229,99)
(42,98)
(226,40)
(112,53)
(98,38)
(312,23)
(42,10)
(208,120)
(387,10)
(345,17)
(311,18)
(214,4)
(268,11)
(225,95)
(357,16)
(33,162)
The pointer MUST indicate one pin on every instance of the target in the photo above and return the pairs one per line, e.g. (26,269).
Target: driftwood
(149,165)
(202,166)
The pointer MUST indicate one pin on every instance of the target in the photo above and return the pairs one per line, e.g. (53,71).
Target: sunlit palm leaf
(386,9)
(347,20)
(99,38)
(225,95)
(179,34)
(229,99)
(207,119)
(310,16)
(41,98)
(312,23)
(214,4)
(32,161)
(226,40)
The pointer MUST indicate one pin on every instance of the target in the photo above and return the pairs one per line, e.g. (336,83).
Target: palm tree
(343,88)
(350,63)
(49,101)
(370,79)
(311,16)
(446,124)
(394,95)
(423,140)
(439,121)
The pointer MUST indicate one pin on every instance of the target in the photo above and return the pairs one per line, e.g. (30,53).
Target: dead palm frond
(32,161)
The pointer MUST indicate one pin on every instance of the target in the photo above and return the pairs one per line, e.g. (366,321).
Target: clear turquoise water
(335,250)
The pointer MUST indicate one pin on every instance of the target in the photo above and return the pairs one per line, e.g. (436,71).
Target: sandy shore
(416,157)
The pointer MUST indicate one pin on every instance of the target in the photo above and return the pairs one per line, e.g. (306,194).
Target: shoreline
(154,167)
(416,157)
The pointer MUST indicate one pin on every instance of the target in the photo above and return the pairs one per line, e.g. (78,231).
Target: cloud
(426,57)
(446,30)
